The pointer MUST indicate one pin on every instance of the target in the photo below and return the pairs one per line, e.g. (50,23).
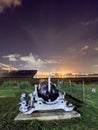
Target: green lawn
(9,98)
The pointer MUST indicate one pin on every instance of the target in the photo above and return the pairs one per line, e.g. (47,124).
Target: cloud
(84,47)
(9,3)
(90,22)
(34,61)
(95,66)
(11,57)
(96,48)
(50,61)
(31,60)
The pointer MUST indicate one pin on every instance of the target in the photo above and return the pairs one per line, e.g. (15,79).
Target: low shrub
(24,84)
(9,84)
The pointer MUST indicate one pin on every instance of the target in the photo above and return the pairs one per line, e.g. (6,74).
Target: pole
(49,86)
(70,86)
(83,92)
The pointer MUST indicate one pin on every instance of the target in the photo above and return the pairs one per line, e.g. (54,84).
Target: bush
(13,84)
(24,84)
(10,84)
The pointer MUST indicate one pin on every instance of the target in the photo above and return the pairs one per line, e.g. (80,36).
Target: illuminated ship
(18,74)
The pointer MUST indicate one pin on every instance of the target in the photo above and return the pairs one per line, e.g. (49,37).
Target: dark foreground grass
(88,110)
(8,111)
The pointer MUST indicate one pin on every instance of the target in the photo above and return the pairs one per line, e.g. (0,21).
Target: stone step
(48,115)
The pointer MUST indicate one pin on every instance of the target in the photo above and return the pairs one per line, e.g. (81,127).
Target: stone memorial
(45,99)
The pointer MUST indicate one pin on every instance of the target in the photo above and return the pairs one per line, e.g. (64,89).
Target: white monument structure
(44,97)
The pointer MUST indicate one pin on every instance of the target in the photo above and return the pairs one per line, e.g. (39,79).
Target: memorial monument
(46,97)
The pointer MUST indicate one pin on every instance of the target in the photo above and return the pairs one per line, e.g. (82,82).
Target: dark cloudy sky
(50,35)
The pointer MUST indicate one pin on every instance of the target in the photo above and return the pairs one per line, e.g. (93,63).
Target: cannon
(45,97)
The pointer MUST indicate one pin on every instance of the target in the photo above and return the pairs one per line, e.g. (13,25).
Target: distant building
(69,75)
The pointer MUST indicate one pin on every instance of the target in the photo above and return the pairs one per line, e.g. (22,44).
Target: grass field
(9,98)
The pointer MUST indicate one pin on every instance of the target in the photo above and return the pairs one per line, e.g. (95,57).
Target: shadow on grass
(76,102)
